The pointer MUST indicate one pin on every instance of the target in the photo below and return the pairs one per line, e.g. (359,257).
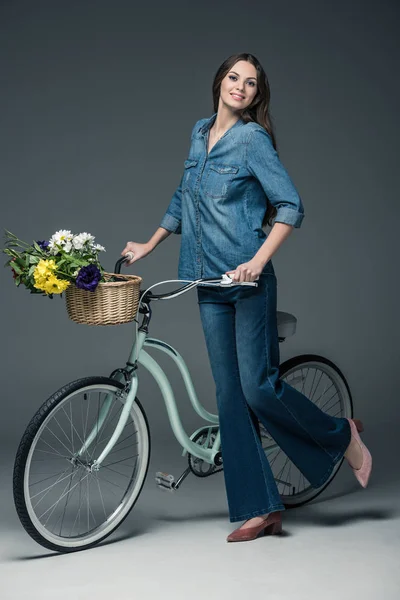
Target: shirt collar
(208,124)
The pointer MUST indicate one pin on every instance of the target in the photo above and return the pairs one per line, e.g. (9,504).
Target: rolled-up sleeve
(172,219)
(173,216)
(264,164)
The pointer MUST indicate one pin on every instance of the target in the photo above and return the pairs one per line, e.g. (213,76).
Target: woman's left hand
(248,271)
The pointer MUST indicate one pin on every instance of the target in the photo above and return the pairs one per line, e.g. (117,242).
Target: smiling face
(239,86)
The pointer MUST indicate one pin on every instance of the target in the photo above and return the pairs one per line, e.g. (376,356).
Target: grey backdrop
(97,103)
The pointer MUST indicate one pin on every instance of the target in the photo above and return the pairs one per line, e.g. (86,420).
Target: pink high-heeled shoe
(272,525)
(364,472)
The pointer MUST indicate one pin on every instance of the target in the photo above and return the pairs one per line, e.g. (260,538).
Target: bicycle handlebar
(118,264)
(223,281)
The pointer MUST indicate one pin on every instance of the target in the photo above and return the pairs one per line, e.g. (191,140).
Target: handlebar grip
(128,256)
(227,281)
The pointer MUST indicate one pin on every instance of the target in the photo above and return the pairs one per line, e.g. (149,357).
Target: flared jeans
(241,333)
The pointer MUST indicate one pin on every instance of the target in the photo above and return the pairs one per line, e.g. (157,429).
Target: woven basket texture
(112,302)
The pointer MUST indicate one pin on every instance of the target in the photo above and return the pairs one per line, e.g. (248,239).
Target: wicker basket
(112,303)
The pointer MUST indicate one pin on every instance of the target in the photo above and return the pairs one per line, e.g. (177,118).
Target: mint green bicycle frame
(143,358)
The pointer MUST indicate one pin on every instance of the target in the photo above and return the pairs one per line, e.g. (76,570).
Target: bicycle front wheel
(62,502)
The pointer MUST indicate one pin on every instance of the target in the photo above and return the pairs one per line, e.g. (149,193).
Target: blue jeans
(240,328)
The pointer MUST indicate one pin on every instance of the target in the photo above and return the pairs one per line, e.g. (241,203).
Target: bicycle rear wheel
(324,384)
(62,503)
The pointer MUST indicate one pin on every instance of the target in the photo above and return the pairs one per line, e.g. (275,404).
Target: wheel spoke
(61,497)
(129,447)
(119,461)
(78,513)
(41,480)
(115,471)
(60,478)
(73,428)
(62,429)
(120,441)
(327,402)
(101,496)
(112,483)
(57,438)
(50,446)
(105,482)
(62,515)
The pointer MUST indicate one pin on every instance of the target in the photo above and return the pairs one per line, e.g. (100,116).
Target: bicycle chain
(206,474)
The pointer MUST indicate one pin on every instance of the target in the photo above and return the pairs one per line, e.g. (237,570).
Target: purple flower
(43,245)
(88,278)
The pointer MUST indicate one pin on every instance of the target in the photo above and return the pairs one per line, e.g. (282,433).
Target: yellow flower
(44,267)
(55,286)
(40,280)
(45,279)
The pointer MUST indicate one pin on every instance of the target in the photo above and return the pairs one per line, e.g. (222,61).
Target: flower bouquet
(69,262)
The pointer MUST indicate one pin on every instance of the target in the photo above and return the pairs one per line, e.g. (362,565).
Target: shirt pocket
(218,180)
(189,173)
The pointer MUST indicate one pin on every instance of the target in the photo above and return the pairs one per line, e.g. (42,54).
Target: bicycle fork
(105,408)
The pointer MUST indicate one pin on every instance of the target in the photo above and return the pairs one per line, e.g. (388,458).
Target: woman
(232,186)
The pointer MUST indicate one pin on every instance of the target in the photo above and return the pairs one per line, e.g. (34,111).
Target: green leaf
(10,252)
(37,247)
(17,268)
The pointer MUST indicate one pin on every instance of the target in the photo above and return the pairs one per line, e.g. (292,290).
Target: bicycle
(90,440)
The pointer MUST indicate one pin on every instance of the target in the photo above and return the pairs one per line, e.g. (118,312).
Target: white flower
(81,239)
(87,237)
(75,273)
(67,241)
(60,238)
(78,242)
(52,248)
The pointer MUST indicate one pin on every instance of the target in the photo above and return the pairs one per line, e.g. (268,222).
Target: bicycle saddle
(286,324)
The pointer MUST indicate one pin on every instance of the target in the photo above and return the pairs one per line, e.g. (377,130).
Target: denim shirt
(220,202)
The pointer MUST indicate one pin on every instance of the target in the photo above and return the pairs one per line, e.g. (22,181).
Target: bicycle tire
(24,448)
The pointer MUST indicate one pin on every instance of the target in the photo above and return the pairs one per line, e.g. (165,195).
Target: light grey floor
(346,544)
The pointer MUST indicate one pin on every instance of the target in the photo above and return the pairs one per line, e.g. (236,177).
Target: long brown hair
(257,111)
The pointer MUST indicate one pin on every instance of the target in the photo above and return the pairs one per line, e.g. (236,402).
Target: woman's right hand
(138,250)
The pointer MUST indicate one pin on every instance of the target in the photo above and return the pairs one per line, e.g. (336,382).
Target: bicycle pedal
(165,481)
